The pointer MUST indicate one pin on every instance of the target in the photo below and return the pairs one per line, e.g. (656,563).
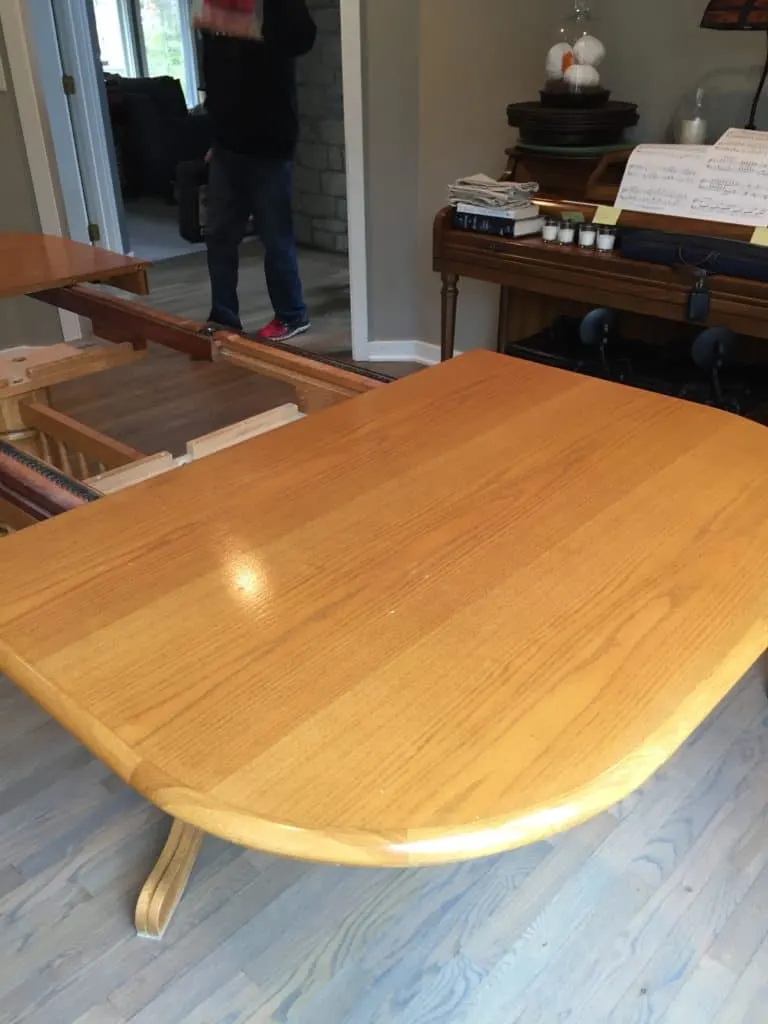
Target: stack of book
(514,222)
(503,208)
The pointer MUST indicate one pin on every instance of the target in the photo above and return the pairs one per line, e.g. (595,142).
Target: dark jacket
(251,84)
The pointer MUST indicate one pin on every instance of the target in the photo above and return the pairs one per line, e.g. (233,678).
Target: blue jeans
(239,187)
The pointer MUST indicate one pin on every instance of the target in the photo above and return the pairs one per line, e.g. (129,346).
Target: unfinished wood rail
(319,382)
(163,462)
(87,456)
(27,367)
(72,447)
(77,463)
(28,372)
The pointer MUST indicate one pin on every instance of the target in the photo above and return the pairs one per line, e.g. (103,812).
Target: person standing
(251,99)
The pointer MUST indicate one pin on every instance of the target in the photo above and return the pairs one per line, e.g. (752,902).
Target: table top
(449,617)
(34,263)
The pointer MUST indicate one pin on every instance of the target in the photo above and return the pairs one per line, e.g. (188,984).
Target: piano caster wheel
(597,329)
(710,352)
(712,347)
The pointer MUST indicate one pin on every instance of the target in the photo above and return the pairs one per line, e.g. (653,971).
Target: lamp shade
(736,15)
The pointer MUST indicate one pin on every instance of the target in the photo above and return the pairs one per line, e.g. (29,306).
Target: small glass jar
(550,230)
(587,236)
(566,232)
(691,128)
(606,238)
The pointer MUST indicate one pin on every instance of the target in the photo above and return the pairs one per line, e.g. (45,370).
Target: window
(149,38)
(168,44)
(118,51)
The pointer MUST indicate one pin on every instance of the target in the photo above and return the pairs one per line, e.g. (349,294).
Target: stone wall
(320,186)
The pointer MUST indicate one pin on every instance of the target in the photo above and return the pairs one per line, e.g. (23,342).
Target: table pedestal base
(165,886)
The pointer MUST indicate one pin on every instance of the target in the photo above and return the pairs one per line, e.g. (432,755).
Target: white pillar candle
(606,240)
(550,230)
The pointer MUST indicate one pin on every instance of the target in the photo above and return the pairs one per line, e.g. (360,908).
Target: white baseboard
(423,352)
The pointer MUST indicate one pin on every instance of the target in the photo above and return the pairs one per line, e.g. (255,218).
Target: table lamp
(741,16)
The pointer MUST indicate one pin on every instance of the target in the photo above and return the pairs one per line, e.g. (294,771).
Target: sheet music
(720,183)
(743,140)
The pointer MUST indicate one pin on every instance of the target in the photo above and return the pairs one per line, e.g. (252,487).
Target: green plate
(574,150)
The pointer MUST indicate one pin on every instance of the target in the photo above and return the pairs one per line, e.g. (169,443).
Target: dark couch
(154,132)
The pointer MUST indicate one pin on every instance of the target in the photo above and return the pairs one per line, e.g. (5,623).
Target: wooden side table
(540,281)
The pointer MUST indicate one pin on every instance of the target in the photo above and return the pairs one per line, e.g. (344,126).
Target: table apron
(668,300)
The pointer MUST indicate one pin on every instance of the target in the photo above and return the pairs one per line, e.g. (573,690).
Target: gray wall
(320,202)
(657,55)
(22,321)
(438,75)
(476,58)
(391,51)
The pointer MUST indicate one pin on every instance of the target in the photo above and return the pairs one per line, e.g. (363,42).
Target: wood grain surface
(449,617)
(569,274)
(32,263)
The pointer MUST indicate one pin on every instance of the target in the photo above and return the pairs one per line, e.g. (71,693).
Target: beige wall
(22,321)
(476,58)
(657,55)
(438,77)
(391,51)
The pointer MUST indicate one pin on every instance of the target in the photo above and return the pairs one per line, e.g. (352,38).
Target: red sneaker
(278,331)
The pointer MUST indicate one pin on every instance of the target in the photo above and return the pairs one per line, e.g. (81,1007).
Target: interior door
(83,84)
(44,49)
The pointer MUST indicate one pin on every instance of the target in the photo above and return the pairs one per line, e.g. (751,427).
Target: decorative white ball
(558,59)
(582,76)
(589,51)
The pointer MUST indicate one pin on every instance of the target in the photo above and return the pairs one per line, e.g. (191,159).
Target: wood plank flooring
(180,286)
(165,399)
(654,913)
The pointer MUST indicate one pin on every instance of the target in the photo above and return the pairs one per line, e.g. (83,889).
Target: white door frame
(36,83)
(34,126)
(354,140)
(75,36)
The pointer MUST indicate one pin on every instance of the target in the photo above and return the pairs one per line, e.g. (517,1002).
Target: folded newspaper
(481,190)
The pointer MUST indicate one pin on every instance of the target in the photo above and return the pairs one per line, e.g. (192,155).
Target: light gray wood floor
(180,286)
(654,912)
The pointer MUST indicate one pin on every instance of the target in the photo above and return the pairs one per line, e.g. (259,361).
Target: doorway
(147,39)
(147,55)
(106,41)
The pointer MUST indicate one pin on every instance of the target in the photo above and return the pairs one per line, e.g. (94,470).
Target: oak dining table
(444,619)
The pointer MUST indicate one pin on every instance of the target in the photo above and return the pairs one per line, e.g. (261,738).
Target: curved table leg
(165,886)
